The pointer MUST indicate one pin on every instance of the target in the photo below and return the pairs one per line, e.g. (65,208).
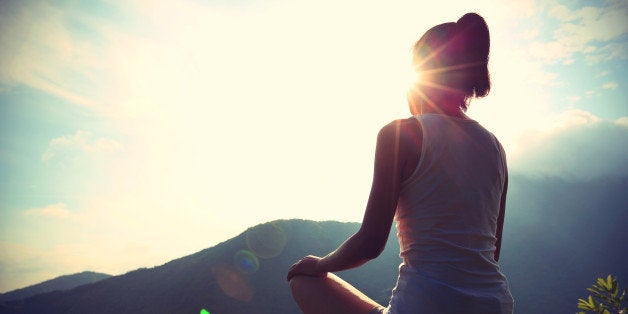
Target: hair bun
(475,43)
(470,20)
(474,32)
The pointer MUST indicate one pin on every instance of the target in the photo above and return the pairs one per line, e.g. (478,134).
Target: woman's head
(452,61)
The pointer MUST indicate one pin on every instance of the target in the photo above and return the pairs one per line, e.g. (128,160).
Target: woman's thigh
(329,294)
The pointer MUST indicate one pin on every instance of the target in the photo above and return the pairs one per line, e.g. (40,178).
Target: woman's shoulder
(407,132)
(402,138)
(401,124)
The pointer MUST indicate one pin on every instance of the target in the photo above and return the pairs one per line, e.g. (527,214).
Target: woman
(443,178)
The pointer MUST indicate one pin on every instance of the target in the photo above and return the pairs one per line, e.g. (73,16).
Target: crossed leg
(330,295)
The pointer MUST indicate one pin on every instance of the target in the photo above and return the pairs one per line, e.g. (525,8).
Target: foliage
(605,298)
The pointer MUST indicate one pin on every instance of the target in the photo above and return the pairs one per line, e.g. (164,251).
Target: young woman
(443,178)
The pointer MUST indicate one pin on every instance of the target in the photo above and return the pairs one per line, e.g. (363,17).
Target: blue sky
(134,132)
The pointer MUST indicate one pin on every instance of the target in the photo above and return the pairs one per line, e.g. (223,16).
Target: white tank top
(448,208)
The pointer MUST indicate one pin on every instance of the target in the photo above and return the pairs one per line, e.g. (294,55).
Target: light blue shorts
(416,293)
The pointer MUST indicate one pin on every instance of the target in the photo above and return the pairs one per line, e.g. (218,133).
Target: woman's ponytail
(474,39)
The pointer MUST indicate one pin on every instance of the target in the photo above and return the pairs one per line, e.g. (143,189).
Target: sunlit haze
(136,132)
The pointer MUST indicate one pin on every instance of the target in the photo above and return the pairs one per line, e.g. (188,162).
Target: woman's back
(448,211)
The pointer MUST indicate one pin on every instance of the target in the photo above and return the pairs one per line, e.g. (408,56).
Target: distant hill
(559,236)
(60,283)
(227,278)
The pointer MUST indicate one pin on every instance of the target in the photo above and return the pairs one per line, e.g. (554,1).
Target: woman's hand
(307,266)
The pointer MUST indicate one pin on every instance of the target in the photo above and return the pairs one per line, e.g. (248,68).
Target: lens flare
(204,311)
(233,283)
(267,240)
(246,262)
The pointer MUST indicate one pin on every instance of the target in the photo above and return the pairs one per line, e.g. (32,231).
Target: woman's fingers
(293,270)
(305,266)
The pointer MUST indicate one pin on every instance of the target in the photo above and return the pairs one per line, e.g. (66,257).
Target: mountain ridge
(64,282)
(555,234)
(210,279)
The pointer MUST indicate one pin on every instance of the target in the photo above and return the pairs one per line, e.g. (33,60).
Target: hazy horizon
(133,133)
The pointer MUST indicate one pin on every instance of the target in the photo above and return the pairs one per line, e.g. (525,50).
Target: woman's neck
(457,112)
(437,102)
(451,106)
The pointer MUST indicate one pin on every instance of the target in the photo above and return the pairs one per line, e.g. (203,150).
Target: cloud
(579,146)
(595,32)
(21,265)
(58,210)
(622,121)
(81,142)
(610,85)
(617,50)
(40,50)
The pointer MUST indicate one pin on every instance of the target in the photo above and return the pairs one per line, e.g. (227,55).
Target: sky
(136,132)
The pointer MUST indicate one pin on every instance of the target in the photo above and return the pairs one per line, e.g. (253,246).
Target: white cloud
(23,265)
(574,99)
(603,74)
(574,118)
(622,121)
(610,85)
(58,210)
(38,50)
(81,142)
(595,32)
(578,146)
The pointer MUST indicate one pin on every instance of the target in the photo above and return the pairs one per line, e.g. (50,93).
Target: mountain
(245,274)
(559,237)
(60,283)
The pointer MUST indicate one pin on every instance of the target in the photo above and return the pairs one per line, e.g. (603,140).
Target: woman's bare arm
(371,239)
(500,221)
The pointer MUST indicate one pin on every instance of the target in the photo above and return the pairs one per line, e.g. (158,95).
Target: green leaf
(599,288)
(609,281)
(584,305)
(602,283)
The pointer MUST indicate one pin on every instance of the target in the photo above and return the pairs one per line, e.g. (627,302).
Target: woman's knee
(299,286)
(295,283)
(328,294)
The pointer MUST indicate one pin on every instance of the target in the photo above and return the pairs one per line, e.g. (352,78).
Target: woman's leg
(329,295)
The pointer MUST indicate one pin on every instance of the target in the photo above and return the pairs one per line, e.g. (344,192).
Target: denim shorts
(417,293)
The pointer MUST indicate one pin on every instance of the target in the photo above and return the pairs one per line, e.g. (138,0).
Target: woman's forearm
(357,250)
